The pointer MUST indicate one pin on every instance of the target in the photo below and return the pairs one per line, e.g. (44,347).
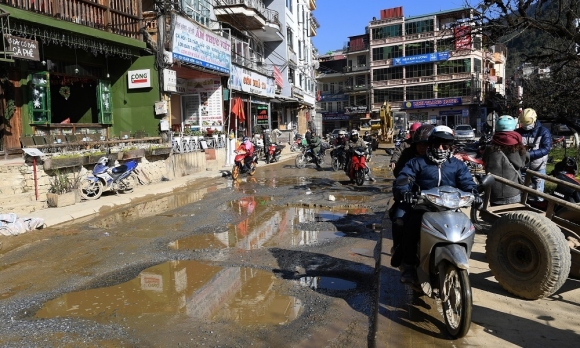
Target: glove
(408,197)
(477,202)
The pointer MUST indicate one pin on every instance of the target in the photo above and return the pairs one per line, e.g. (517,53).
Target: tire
(235,172)
(528,255)
(359,177)
(300,161)
(475,220)
(267,159)
(335,164)
(91,190)
(456,299)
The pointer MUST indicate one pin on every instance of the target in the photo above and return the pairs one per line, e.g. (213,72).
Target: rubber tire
(359,177)
(235,172)
(475,220)
(96,195)
(267,159)
(460,329)
(335,164)
(549,256)
(300,161)
(293,148)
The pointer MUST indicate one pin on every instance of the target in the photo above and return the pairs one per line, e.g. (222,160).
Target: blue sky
(340,19)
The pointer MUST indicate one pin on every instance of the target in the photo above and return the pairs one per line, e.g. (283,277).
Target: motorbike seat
(120,169)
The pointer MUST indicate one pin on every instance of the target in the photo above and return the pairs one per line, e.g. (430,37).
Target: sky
(340,19)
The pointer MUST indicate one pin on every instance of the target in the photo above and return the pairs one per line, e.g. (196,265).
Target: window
(360,100)
(388,74)
(291,75)
(454,89)
(454,66)
(361,60)
(300,43)
(389,95)
(340,87)
(329,107)
(290,38)
(301,80)
(360,81)
(420,92)
(476,65)
(339,107)
(446,44)
(199,10)
(424,26)
(419,70)
(323,106)
(289,5)
(387,52)
(417,48)
(325,87)
(332,91)
(388,31)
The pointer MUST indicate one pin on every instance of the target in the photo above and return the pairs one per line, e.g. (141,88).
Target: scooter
(307,156)
(337,156)
(445,243)
(103,178)
(358,165)
(297,144)
(273,152)
(239,164)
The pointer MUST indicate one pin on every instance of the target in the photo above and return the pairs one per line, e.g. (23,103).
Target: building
(332,99)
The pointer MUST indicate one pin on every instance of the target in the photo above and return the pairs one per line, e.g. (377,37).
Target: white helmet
(528,117)
(103,161)
(342,132)
(354,132)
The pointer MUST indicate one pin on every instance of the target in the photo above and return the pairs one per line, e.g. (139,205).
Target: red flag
(238,109)
(318,96)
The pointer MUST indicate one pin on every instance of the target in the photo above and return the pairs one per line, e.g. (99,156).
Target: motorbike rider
(436,168)
(538,140)
(367,137)
(315,144)
(247,147)
(418,147)
(405,144)
(340,139)
(354,142)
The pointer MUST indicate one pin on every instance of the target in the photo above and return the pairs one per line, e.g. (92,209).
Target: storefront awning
(282,99)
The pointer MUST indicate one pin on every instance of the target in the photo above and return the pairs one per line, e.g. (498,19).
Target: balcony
(292,55)
(122,17)
(357,48)
(411,37)
(250,15)
(313,26)
(422,79)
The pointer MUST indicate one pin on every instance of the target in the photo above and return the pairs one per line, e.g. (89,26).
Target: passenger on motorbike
(354,142)
(437,168)
(405,144)
(418,147)
(315,144)
(247,147)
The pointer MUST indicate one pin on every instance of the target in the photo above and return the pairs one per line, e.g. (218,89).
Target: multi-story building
(332,98)
(357,85)
(433,66)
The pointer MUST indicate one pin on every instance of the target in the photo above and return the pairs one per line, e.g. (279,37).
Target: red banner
(462,37)
(278,77)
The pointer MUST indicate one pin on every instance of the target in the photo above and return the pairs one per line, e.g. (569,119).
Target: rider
(341,139)
(437,168)
(315,144)
(418,147)
(405,144)
(367,137)
(353,142)
(247,147)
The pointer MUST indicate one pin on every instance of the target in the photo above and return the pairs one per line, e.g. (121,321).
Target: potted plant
(133,152)
(63,161)
(156,150)
(63,190)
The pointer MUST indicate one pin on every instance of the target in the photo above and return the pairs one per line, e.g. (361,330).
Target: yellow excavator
(383,126)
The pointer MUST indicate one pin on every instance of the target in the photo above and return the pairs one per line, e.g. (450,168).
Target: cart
(531,252)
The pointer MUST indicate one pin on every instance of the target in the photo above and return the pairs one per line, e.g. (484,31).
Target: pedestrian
(506,157)
(405,144)
(538,142)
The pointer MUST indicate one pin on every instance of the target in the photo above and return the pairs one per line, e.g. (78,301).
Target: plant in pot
(63,190)
(156,150)
(63,161)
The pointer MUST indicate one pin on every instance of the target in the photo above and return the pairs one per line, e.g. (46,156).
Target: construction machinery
(383,126)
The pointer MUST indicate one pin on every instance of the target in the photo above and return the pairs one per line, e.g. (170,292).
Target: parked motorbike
(240,168)
(358,165)
(307,156)
(103,178)
(445,243)
(273,152)
(338,156)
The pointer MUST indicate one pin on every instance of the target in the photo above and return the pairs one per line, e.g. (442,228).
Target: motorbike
(337,156)
(471,160)
(358,165)
(104,178)
(240,168)
(297,144)
(307,156)
(445,243)
(273,152)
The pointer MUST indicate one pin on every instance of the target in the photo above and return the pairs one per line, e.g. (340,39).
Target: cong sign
(139,78)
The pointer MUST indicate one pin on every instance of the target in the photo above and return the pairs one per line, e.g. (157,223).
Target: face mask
(528,127)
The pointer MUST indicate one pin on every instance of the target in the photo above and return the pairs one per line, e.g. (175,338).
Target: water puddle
(265,225)
(198,290)
(327,283)
(353,199)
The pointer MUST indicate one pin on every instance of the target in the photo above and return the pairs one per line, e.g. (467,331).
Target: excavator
(383,126)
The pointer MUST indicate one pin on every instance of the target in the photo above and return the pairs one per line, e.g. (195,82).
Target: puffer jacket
(496,163)
(428,175)
(539,142)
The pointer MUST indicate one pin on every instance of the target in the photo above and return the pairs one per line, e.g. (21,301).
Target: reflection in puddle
(152,207)
(327,283)
(265,225)
(240,294)
(353,199)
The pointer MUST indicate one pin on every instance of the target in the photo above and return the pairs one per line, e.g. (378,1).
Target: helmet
(567,165)
(441,133)
(353,133)
(366,132)
(414,127)
(244,139)
(505,123)
(422,133)
(342,132)
(103,161)
(528,117)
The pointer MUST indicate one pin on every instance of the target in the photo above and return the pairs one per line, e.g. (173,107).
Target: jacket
(407,154)
(428,175)
(399,150)
(315,141)
(539,142)
(354,144)
(496,163)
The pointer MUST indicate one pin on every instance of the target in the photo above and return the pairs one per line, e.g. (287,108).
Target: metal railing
(183,144)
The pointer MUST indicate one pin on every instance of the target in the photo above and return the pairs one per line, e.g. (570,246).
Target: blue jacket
(428,175)
(539,142)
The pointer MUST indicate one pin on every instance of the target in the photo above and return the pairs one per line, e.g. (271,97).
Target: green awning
(72,27)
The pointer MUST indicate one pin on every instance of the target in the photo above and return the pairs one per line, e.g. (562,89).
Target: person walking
(538,141)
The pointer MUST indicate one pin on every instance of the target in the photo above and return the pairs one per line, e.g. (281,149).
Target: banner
(421,58)
(431,103)
(462,37)
(278,77)
(210,93)
(251,82)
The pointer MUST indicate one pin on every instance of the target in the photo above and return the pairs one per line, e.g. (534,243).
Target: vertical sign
(169,80)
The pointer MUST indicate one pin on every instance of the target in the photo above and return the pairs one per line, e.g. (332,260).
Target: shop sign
(210,93)
(139,78)
(196,45)
(450,112)
(160,107)
(462,35)
(334,116)
(421,58)
(355,109)
(431,103)
(150,281)
(169,80)
(262,116)
(251,82)
(333,97)
(23,48)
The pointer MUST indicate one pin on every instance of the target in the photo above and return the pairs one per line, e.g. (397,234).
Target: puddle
(265,225)
(353,198)
(153,207)
(327,283)
(239,294)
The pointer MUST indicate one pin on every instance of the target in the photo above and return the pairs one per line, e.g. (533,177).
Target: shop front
(448,111)
(333,120)
(359,116)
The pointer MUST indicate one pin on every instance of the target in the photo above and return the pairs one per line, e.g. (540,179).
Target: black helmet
(568,165)
(441,134)
(422,133)
(366,132)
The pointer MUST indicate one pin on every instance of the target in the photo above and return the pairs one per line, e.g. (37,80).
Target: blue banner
(422,58)
(431,103)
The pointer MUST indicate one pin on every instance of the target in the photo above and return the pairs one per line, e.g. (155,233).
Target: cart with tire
(531,252)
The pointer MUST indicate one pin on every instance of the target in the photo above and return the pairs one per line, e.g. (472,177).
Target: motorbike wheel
(252,169)
(335,164)
(235,172)
(456,299)
(300,161)
(267,158)
(359,177)
(91,190)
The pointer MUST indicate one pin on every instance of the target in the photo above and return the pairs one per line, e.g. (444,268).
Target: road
(289,258)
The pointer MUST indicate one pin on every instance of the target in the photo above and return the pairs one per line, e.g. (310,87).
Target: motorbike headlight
(451,200)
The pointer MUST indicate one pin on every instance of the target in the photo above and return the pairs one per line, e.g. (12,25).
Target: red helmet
(414,127)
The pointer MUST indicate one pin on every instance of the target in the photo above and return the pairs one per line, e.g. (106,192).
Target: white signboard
(194,44)
(169,80)
(139,78)
(252,82)
(210,100)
